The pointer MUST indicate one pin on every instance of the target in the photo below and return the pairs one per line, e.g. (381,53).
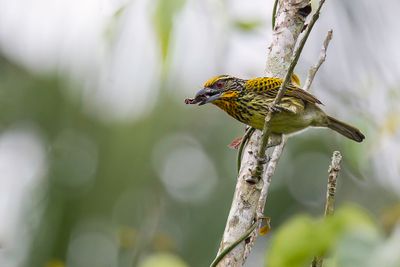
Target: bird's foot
(256,174)
(235,144)
(275,108)
(263,160)
(279,108)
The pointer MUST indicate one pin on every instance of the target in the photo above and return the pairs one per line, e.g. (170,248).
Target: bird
(249,101)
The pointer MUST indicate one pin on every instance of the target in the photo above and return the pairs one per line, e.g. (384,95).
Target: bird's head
(219,88)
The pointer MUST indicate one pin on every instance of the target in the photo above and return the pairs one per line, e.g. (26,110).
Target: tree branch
(274,140)
(333,171)
(274,13)
(233,245)
(279,149)
(289,23)
(322,56)
(266,130)
(242,212)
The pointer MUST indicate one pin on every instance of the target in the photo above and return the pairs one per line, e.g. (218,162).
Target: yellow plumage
(250,100)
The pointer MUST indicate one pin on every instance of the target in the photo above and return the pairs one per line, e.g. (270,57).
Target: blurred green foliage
(103,200)
(123,191)
(302,237)
(103,184)
(163,20)
(163,260)
(247,26)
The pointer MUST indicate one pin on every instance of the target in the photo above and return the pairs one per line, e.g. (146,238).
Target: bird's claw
(263,160)
(252,179)
(235,144)
(261,216)
(256,173)
(275,109)
(279,109)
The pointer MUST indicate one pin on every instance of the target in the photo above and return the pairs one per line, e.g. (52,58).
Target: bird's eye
(219,84)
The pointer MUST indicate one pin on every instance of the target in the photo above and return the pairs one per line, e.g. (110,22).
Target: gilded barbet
(248,101)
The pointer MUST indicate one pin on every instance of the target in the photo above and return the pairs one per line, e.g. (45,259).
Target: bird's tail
(345,129)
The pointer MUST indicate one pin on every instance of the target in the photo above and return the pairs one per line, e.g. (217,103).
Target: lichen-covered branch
(233,245)
(280,63)
(333,171)
(282,89)
(279,149)
(288,25)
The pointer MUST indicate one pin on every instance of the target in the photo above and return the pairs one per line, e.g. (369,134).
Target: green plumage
(250,100)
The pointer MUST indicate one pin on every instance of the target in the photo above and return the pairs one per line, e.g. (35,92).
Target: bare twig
(245,139)
(322,56)
(274,13)
(333,171)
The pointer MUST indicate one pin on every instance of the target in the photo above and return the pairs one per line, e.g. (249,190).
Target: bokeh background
(102,164)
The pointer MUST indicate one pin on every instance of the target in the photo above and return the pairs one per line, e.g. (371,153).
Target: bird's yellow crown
(213,80)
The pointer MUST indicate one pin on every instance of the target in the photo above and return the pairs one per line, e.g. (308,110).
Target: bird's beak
(207,95)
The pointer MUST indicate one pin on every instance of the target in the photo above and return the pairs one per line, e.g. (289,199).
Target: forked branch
(281,60)
(279,149)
